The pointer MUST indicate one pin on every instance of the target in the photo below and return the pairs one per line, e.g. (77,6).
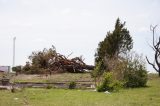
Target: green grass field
(148,96)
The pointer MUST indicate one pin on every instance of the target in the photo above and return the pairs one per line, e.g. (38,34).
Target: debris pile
(75,65)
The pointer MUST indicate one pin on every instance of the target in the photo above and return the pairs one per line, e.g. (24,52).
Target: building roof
(1,71)
(4,68)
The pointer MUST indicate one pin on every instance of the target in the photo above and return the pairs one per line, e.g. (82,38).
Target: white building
(4,68)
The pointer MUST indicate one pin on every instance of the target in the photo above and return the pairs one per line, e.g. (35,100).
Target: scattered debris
(95,90)
(107,92)
(93,86)
(16,98)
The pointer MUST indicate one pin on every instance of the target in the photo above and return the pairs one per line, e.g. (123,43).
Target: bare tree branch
(153,65)
(152,28)
(156,48)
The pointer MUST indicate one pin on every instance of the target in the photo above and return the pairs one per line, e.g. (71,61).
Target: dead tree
(156,48)
(60,63)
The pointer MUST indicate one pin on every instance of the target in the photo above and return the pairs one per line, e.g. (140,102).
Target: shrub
(17,69)
(13,90)
(108,83)
(135,74)
(135,78)
(72,85)
(116,85)
(98,71)
(49,86)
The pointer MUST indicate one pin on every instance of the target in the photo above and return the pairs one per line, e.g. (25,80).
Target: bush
(49,87)
(108,83)
(116,85)
(135,78)
(98,71)
(17,69)
(135,74)
(72,85)
(13,90)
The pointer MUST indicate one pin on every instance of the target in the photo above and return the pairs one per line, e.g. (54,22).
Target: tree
(156,48)
(27,67)
(40,61)
(17,69)
(115,44)
(110,51)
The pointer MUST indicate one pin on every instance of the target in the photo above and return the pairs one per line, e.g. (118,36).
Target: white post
(14,39)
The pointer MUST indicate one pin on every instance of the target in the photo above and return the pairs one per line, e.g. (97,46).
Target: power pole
(14,41)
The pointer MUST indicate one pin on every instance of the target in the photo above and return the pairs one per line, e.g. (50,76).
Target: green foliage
(13,89)
(17,69)
(72,85)
(135,74)
(49,86)
(108,83)
(98,71)
(40,61)
(136,78)
(116,85)
(27,68)
(116,43)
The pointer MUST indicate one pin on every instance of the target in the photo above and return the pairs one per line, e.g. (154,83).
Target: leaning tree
(115,44)
(156,48)
(112,49)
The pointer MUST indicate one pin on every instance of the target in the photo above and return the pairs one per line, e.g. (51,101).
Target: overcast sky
(72,25)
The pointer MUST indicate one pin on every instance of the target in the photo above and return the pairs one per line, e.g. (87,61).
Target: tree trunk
(159,72)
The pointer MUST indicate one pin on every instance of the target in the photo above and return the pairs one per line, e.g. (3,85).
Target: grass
(53,78)
(148,96)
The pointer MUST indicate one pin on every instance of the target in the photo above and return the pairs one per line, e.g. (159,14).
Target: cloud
(66,11)
(143,29)
(86,13)
(40,40)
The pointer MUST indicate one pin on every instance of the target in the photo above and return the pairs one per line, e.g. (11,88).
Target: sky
(73,26)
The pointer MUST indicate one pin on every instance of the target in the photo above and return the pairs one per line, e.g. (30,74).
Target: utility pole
(14,41)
